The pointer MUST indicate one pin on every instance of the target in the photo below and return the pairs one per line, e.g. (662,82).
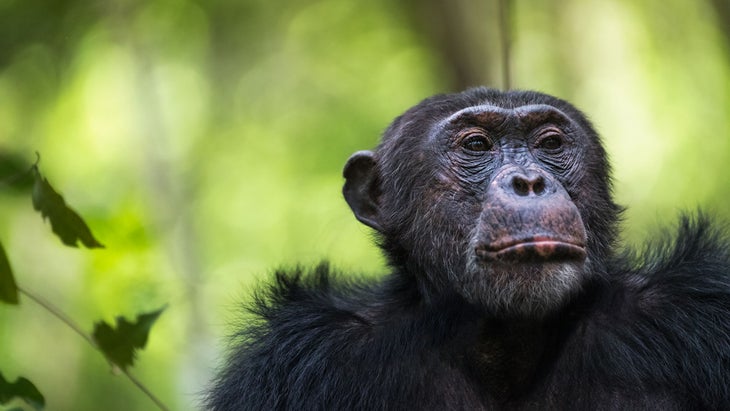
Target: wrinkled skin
(493,202)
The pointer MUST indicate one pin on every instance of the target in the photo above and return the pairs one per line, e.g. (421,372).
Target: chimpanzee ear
(361,188)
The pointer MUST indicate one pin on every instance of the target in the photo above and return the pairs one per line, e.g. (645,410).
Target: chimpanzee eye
(477,142)
(551,142)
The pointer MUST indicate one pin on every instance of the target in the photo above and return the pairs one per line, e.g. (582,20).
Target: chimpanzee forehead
(491,116)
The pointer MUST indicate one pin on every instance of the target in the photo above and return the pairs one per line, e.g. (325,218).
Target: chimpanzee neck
(505,356)
(509,354)
(513,355)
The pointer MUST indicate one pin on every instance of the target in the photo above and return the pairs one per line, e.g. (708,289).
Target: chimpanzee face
(489,200)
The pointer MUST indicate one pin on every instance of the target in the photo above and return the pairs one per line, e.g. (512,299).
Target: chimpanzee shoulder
(316,335)
(660,325)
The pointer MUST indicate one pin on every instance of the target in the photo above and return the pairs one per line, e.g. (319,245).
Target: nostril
(538,187)
(520,186)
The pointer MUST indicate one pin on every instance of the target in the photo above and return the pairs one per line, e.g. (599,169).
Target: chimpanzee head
(500,197)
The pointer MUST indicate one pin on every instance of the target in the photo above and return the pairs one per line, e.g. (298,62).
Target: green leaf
(65,222)
(8,288)
(22,388)
(14,172)
(119,345)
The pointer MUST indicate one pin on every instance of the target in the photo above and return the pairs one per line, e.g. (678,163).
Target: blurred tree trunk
(465,34)
(722,8)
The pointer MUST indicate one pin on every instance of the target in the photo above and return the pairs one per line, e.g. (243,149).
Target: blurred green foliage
(203,143)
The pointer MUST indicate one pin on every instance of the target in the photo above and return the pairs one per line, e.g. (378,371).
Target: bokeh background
(203,142)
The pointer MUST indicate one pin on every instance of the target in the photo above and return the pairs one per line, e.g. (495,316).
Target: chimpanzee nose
(528,184)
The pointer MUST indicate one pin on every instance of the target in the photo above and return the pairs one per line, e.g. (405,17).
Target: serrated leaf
(22,388)
(120,344)
(65,222)
(8,288)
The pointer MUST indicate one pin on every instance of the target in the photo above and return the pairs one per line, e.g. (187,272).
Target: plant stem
(145,390)
(55,311)
(58,314)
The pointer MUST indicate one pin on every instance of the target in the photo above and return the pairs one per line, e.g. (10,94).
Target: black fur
(646,330)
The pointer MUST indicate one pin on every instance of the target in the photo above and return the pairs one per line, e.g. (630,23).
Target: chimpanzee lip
(532,249)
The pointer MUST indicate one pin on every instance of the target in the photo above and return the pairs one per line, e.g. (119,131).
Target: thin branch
(145,390)
(56,312)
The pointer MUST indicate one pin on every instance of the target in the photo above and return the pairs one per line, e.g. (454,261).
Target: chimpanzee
(506,290)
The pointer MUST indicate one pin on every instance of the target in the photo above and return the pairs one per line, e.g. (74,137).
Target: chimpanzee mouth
(533,249)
